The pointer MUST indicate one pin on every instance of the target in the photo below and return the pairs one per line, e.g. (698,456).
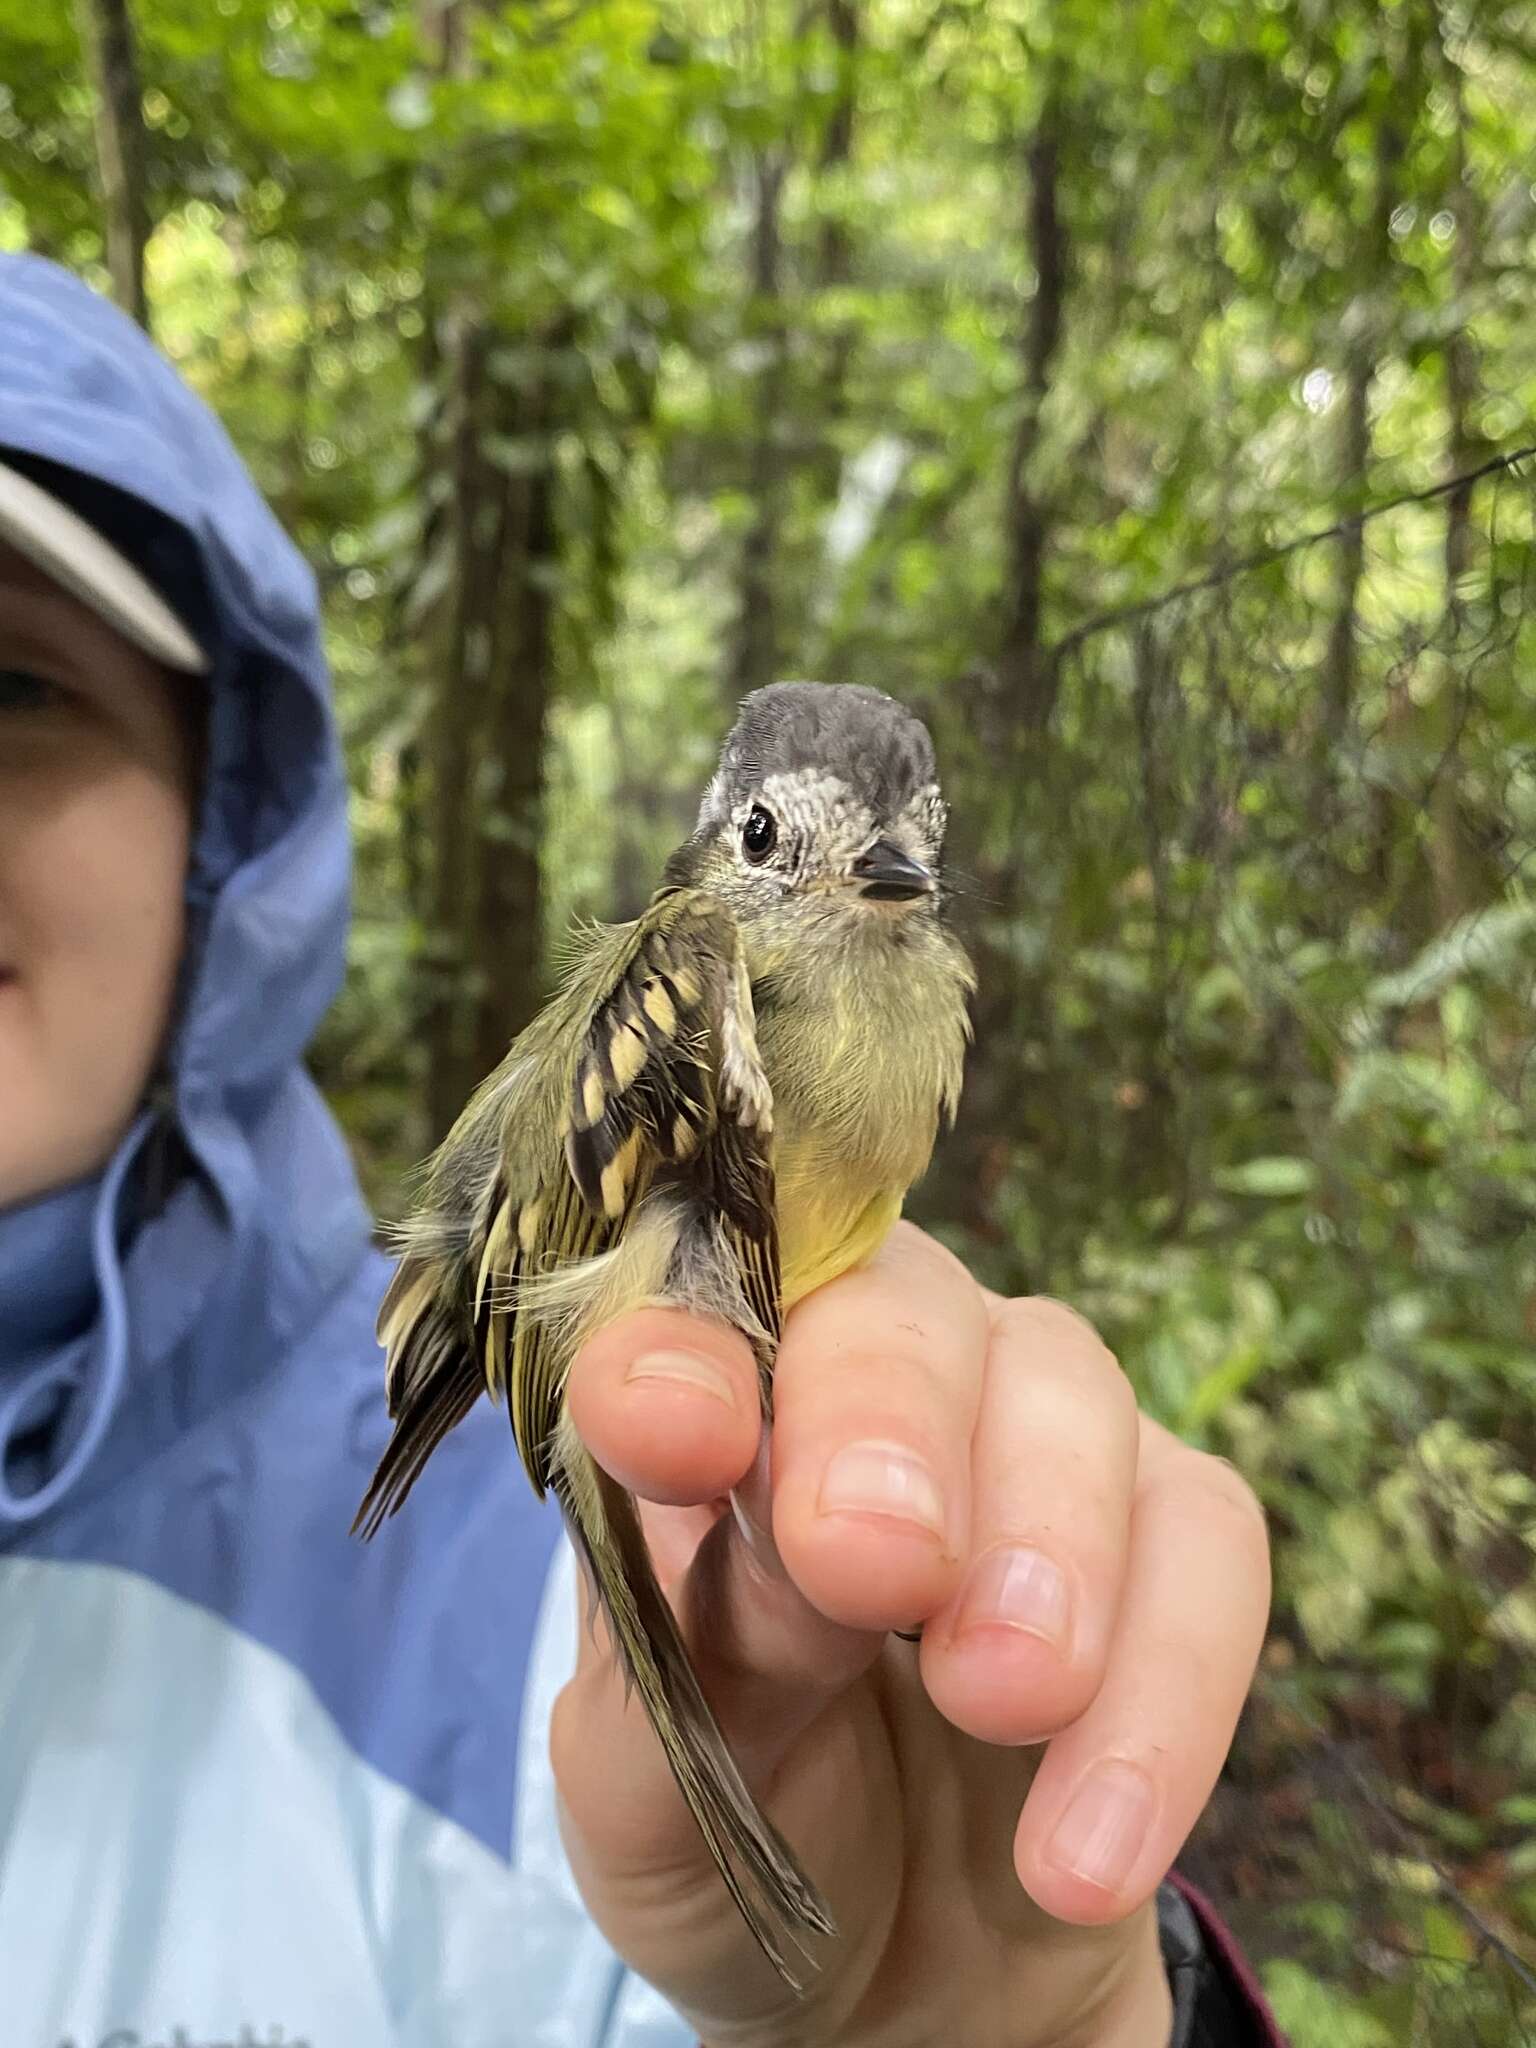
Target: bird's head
(825,800)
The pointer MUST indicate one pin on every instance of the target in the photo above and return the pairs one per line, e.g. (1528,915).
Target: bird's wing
(432,1372)
(666,1075)
(656,1074)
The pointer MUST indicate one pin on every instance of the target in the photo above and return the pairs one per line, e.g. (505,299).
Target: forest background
(1140,392)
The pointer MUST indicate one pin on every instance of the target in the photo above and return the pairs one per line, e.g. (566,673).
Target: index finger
(890,1354)
(876,1391)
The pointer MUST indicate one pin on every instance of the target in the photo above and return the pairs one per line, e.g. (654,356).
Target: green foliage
(1254,907)
(1314,2016)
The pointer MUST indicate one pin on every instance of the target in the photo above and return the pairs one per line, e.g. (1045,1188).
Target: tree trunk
(493,544)
(1354,467)
(509,938)
(1008,710)
(755,641)
(436,764)
(834,248)
(463,672)
(106,32)
(632,867)
(416,649)
(1451,857)
(413,643)
(1026,673)
(1362,349)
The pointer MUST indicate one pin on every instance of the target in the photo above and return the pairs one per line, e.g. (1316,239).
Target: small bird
(722,1108)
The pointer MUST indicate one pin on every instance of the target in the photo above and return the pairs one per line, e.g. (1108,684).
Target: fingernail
(1100,1835)
(882,1479)
(1019,1588)
(685,1369)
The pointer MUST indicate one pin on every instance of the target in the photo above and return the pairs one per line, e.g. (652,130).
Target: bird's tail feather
(434,1381)
(775,1897)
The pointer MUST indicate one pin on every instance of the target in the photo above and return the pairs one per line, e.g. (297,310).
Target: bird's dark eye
(759,835)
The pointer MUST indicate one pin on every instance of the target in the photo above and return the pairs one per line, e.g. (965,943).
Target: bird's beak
(887,875)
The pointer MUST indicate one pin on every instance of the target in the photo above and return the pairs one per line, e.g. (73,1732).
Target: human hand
(1103,1709)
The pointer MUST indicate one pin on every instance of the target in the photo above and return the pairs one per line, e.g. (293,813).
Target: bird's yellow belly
(827,1223)
(860,1063)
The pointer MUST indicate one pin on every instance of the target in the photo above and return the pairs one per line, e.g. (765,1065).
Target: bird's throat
(863,1053)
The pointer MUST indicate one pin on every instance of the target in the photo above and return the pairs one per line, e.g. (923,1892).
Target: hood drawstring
(88,1376)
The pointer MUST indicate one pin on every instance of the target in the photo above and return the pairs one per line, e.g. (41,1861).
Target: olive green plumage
(723,1107)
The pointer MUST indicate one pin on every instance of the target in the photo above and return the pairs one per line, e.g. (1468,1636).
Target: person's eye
(23,689)
(759,835)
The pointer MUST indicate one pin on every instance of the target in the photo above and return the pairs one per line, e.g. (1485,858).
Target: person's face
(95,832)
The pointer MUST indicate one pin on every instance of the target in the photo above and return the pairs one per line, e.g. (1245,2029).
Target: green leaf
(1313,2014)
(409,103)
(1484,941)
(1278,1178)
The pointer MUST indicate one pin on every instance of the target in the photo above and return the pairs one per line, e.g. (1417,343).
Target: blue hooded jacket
(259,1784)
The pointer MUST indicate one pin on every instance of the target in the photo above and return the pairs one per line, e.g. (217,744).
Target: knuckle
(910,1254)
(911,1310)
(1117,1391)
(1204,1663)
(1229,1494)
(1041,1318)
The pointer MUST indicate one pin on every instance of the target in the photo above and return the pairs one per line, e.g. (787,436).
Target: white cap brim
(67,548)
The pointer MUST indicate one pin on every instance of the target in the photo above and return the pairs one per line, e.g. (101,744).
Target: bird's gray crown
(870,742)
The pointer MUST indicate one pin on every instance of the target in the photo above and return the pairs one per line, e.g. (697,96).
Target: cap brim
(64,546)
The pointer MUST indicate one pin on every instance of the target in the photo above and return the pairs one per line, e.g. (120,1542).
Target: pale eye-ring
(759,835)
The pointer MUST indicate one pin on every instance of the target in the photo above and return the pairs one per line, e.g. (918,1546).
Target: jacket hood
(230,1208)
